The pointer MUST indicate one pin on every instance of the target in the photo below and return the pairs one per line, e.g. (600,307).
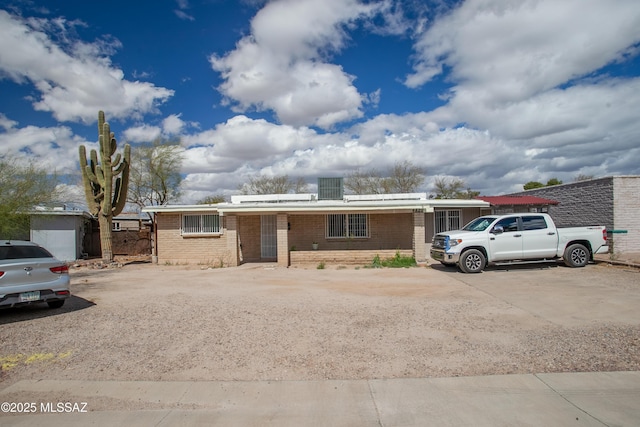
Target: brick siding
(386,231)
(173,248)
(626,204)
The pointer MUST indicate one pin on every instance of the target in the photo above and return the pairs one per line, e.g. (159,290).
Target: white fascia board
(273,198)
(181,208)
(322,206)
(457,203)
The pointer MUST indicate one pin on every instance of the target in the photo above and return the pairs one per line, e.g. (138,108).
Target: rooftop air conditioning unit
(330,188)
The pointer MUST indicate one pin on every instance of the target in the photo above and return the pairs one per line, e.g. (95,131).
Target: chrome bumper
(442,256)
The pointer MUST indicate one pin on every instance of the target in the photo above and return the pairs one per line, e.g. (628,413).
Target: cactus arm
(120,194)
(125,162)
(116,161)
(89,188)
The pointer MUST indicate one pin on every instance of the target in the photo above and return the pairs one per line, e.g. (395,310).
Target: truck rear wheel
(472,261)
(576,255)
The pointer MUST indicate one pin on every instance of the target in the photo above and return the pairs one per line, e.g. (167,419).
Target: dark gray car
(30,274)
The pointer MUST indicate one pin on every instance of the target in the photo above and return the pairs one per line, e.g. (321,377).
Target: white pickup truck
(517,238)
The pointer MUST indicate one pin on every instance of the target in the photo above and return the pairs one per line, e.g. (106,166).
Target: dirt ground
(259,322)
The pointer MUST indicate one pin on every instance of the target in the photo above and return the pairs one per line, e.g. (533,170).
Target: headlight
(454,242)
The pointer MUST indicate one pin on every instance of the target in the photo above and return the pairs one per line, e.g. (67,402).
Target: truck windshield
(479,224)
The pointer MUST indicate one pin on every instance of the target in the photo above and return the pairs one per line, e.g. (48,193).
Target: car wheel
(576,255)
(472,261)
(55,304)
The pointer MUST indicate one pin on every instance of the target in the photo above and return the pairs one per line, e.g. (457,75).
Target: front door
(268,236)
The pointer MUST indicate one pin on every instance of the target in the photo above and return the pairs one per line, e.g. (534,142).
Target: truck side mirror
(497,230)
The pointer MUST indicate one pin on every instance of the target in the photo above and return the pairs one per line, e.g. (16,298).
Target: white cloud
(241,141)
(173,124)
(54,148)
(143,133)
(282,65)
(507,51)
(75,80)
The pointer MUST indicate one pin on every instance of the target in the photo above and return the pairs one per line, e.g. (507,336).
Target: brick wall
(387,231)
(175,249)
(581,203)
(626,190)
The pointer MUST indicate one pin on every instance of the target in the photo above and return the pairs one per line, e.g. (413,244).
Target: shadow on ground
(39,310)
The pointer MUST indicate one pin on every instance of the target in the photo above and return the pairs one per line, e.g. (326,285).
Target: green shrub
(398,261)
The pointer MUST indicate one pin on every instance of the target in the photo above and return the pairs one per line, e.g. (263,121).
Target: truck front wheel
(472,261)
(576,255)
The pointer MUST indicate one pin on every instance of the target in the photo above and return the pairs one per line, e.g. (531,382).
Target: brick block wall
(282,230)
(419,237)
(387,231)
(626,190)
(175,249)
(581,203)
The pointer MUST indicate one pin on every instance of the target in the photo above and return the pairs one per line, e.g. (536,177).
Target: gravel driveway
(259,322)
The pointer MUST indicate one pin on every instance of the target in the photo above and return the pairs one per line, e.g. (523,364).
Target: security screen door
(268,236)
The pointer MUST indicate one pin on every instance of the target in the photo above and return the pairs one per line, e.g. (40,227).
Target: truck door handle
(551,233)
(517,235)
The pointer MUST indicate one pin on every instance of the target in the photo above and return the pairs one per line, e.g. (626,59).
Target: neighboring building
(501,205)
(613,202)
(283,228)
(131,221)
(68,234)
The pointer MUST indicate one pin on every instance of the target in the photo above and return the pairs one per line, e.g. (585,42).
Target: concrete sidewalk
(576,399)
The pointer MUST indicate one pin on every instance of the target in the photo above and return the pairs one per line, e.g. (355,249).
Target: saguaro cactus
(105,198)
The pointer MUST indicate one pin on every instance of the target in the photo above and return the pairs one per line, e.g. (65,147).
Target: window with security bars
(201,224)
(447,220)
(347,225)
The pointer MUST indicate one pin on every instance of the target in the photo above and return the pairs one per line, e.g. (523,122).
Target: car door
(506,244)
(538,240)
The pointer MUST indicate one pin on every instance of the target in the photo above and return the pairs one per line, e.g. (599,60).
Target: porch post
(283,239)
(232,239)
(419,236)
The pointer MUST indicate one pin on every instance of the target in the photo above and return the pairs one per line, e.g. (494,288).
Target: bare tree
(155,173)
(212,200)
(363,182)
(452,188)
(22,187)
(280,184)
(404,177)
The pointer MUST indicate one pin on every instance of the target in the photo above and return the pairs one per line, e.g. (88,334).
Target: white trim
(273,198)
(325,206)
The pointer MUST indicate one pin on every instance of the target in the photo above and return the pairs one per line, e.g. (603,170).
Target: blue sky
(494,92)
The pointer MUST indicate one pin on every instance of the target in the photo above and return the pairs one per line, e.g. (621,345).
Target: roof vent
(330,188)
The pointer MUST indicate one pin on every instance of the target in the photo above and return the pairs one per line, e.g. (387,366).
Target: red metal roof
(516,200)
